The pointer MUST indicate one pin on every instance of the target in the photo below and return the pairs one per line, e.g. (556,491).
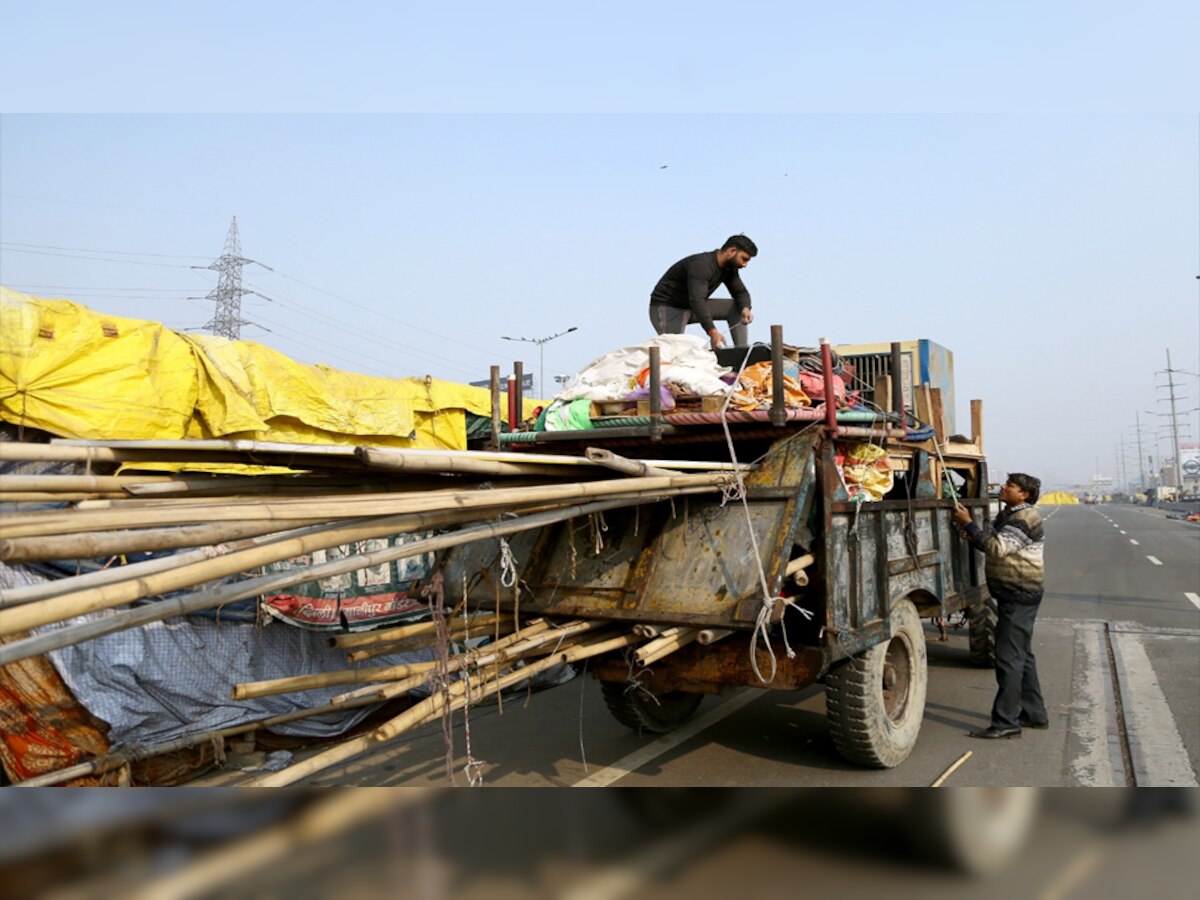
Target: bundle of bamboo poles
(234,527)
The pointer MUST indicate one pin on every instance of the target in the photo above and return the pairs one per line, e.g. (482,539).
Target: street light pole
(541,342)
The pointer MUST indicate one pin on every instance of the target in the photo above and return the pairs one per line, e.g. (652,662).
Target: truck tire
(875,701)
(974,830)
(643,711)
(981,627)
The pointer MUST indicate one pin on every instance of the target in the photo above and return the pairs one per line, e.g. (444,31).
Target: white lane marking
(1123,531)
(667,742)
(1157,562)
(1132,541)
(1195,598)
(1092,767)
(1159,756)
(1115,525)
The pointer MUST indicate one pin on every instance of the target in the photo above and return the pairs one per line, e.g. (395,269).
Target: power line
(94,250)
(325,321)
(92,289)
(385,315)
(127,262)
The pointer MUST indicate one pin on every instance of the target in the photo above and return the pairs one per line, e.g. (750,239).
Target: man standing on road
(682,294)
(1014,549)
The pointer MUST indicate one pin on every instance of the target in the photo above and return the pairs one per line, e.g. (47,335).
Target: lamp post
(541,342)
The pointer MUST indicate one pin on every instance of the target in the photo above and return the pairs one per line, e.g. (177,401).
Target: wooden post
(977,424)
(883,392)
(519,405)
(778,403)
(655,394)
(494,443)
(898,382)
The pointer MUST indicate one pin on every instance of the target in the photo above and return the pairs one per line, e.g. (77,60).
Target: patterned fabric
(1014,547)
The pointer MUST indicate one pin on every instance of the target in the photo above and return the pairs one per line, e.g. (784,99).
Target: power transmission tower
(227,320)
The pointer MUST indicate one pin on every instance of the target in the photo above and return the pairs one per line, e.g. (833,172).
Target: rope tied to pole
(735,490)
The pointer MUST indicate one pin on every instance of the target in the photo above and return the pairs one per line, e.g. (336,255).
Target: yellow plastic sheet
(76,373)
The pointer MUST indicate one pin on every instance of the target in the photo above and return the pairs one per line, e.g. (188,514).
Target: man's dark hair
(741,242)
(1030,485)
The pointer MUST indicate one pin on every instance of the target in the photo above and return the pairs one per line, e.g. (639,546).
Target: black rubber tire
(640,710)
(981,629)
(875,701)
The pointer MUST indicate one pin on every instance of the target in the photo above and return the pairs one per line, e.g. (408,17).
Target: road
(1118,647)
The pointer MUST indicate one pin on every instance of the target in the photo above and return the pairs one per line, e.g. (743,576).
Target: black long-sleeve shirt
(689,282)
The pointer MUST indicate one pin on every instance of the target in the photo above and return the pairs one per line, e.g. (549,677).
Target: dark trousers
(1016,668)
(671,320)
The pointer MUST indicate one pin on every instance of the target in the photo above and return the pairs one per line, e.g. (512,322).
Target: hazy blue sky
(1041,222)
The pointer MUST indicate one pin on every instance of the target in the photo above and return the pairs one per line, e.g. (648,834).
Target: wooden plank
(924,403)
(937,413)
(977,424)
(883,391)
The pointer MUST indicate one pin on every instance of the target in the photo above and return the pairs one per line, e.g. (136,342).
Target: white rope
(473,770)
(508,565)
(737,491)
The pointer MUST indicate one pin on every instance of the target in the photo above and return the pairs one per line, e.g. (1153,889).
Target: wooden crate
(605,408)
(686,403)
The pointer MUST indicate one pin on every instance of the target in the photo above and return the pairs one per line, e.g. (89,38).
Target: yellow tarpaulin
(1058,498)
(76,373)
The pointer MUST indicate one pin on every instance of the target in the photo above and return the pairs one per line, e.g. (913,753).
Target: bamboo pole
(56,483)
(347,506)
(431,705)
(387,691)
(207,599)
(107,596)
(941,779)
(406,461)
(795,569)
(46,589)
(58,496)
(90,545)
(94,599)
(403,632)
(670,641)
(374,650)
(482,657)
(109,451)
(708,636)
(623,465)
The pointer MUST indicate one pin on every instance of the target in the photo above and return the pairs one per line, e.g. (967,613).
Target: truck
(798,579)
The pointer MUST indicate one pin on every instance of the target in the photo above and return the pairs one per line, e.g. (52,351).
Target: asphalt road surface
(1118,648)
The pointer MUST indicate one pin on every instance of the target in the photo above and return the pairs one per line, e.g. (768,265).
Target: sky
(1021,186)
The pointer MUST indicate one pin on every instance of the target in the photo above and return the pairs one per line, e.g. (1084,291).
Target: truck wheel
(876,700)
(641,710)
(981,626)
(975,830)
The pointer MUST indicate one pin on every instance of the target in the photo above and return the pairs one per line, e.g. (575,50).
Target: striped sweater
(1014,549)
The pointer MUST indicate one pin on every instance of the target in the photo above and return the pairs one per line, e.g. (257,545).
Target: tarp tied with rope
(77,373)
